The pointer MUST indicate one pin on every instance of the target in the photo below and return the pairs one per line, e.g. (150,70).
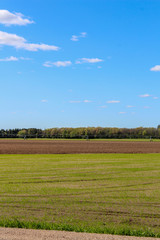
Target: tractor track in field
(10,146)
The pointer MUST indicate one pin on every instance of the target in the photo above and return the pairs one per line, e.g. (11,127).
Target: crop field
(105,193)
(20,146)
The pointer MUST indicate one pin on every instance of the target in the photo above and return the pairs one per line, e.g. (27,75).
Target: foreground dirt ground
(9,146)
(28,234)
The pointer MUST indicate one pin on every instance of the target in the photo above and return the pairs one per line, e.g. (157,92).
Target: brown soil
(28,234)
(9,146)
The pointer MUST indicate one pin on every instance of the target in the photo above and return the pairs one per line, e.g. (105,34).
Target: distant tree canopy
(82,133)
(22,133)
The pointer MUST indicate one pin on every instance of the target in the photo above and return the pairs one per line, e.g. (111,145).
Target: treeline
(82,133)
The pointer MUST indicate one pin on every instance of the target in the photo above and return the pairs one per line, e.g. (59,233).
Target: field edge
(119,230)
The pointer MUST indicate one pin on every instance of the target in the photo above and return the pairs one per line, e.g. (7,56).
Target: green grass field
(105,193)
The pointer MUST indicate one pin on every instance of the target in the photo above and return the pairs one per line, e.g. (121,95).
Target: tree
(22,133)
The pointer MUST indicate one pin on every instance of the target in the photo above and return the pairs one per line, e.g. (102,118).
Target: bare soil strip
(29,234)
(10,146)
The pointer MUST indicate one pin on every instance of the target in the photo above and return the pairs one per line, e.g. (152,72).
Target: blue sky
(71,63)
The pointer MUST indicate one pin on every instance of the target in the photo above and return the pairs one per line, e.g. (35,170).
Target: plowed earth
(9,146)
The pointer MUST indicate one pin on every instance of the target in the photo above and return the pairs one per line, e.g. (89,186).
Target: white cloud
(113,101)
(88,60)
(145,95)
(57,64)
(75,101)
(84,101)
(83,34)
(9,59)
(103,106)
(146,107)
(48,64)
(44,100)
(76,38)
(130,106)
(87,101)
(155,68)
(155,97)
(7,18)
(24,58)
(18,42)
(13,59)
(122,112)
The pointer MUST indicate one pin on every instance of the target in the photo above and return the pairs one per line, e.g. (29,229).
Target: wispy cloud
(24,58)
(155,68)
(146,107)
(113,101)
(9,59)
(7,18)
(44,100)
(75,101)
(18,42)
(155,97)
(145,95)
(122,112)
(84,101)
(88,60)
(104,106)
(129,106)
(13,59)
(83,34)
(87,101)
(76,38)
(57,64)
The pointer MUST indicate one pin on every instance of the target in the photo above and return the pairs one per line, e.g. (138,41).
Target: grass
(15,223)
(102,193)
